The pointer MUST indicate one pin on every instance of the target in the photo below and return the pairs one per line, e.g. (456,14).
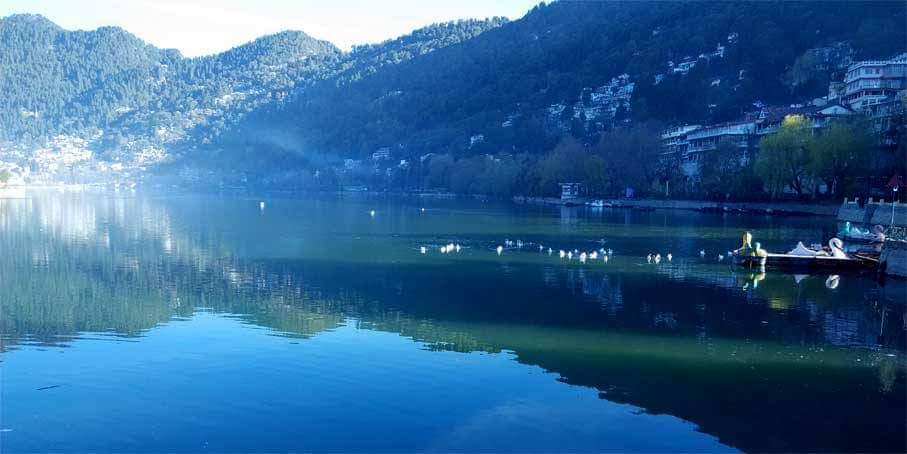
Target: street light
(894,183)
(894,200)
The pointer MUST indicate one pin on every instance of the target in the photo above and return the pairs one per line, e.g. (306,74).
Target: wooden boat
(803,258)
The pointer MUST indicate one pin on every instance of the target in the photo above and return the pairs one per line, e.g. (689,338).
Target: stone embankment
(892,216)
(893,260)
(874,212)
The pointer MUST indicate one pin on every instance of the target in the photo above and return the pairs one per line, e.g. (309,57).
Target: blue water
(212,383)
(204,323)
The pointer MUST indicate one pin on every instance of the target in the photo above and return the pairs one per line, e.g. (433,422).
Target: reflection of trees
(688,341)
(117,266)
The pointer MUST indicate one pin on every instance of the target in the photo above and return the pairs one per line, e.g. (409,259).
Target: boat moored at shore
(801,257)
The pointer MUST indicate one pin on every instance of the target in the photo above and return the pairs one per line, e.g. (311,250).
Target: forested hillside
(132,103)
(287,103)
(54,80)
(57,81)
(557,71)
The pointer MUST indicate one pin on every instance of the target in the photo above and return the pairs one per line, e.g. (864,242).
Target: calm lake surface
(206,323)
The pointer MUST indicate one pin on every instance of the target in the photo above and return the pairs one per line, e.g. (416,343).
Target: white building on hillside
(873,81)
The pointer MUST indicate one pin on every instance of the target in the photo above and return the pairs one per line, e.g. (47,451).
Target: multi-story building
(570,191)
(686,145)
(674,145)
(887,116)
(674,140)
(741,134)
(873,81)
(769,119)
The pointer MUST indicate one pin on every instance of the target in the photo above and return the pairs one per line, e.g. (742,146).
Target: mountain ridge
(529,73)
(289,101)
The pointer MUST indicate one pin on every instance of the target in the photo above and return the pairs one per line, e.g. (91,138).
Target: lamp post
(894,200)
(894,183)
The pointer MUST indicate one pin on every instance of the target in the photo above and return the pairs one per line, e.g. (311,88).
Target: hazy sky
(198,27)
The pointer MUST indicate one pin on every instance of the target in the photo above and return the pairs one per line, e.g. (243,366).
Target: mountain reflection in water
(763,362)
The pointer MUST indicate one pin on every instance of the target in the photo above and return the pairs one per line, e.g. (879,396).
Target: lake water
(208,323)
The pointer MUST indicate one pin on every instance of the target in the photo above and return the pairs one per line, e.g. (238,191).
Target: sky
(201,27)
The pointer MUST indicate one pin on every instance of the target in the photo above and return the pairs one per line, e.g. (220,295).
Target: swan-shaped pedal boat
(801,257)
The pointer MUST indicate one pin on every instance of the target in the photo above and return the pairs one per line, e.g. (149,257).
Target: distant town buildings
(570,191)
(596,109)
(382,154)
(351,164)
(876,89)
(874,81)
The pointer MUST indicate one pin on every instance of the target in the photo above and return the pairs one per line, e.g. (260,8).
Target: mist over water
(193,323)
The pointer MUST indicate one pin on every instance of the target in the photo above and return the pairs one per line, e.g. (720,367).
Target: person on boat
(758,251)
(746,249)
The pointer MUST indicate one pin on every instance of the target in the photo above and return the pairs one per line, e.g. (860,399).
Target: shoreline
(767,208)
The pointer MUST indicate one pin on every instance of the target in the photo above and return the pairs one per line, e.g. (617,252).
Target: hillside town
(874,89)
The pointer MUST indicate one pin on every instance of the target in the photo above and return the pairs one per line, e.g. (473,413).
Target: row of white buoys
(656,259)
(445,249)
(602,254)
(510,243)
(450,247)
(584,256)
